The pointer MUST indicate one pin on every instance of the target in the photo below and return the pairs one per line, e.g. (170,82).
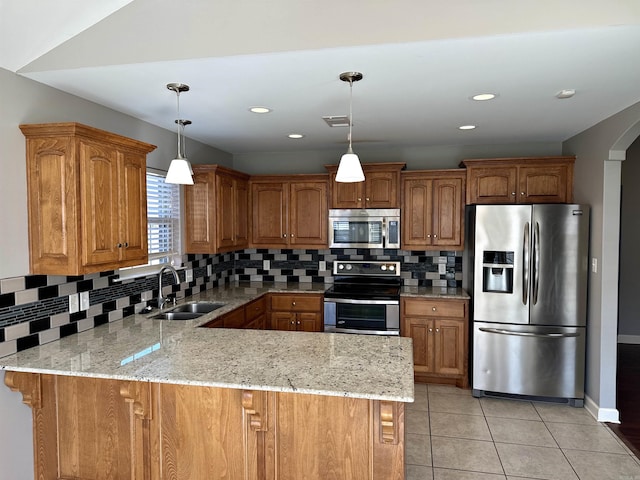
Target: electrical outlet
(442,268)
(209,270)
(74,303)
(84,300)
(322,265)
(594,265)
(188,275)
(266,265)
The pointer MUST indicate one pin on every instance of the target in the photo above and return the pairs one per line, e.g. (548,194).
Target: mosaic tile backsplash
(35,309)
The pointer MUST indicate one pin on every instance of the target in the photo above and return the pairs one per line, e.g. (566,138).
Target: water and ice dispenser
(497,271)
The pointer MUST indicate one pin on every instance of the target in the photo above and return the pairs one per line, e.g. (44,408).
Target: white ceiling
(421,60)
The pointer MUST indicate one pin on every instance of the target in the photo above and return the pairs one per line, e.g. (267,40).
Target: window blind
(163,219)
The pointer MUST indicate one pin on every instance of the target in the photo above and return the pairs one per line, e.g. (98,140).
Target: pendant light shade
(349,168)
(180,171)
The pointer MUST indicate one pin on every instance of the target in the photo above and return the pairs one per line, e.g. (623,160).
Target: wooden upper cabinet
(380,189)
(87,199)
(520,180)
(433,209)
(216,210)
(289,211)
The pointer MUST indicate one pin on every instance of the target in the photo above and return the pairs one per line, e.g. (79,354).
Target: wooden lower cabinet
(302,312)
(440,332)
(89,428)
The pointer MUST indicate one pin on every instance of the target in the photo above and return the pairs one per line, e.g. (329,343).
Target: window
(163,220)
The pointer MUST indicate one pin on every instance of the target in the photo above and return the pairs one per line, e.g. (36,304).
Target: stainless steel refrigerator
(528,286)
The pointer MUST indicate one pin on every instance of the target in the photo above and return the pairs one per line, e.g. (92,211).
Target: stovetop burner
(360,280)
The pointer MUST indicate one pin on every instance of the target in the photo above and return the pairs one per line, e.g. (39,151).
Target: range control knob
(349,267)
(392,268)
(383,267)
(340,266)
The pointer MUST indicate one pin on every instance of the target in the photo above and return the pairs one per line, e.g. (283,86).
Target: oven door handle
(362,302)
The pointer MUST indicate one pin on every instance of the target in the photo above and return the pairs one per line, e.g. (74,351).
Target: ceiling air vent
(337,120)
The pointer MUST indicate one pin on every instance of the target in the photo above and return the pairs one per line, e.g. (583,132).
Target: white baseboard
(610,415)
(632,339)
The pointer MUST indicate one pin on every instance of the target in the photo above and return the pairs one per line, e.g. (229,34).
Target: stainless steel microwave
(364,228)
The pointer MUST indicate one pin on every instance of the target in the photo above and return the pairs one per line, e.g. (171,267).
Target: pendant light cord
(179,125)
(350,112)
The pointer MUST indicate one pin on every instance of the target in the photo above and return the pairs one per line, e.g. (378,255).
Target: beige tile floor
(452,436)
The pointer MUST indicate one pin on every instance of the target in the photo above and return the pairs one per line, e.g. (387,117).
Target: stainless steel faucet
(161,299)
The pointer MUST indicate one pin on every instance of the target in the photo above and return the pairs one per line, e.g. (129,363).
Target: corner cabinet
(87,199)
(519,180)
(380,189)
(289,212)
(433,209)
(216,210)
(439,329)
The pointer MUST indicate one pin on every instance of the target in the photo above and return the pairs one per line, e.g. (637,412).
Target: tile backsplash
(35,309)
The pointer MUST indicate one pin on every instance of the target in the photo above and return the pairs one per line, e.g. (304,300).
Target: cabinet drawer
(254,309)
(434,308)
(296,303)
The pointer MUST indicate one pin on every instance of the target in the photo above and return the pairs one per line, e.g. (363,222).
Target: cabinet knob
(292,322)
(428,235)
(367,199)
(292,235)
(293,303)
(431,330)
(119,245)
(126,244)
(435,235)
(298,322)
(513,194)
(437,330)
(433,309)
(284,235)
(522,193)
(359,199)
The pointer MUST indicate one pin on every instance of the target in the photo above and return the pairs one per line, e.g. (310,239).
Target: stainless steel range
(365,298)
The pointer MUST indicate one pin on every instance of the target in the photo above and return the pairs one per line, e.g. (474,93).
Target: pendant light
(180,169)
(349,169)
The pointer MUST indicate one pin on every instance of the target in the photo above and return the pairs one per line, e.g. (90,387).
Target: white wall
(16,440)
(600,150)
(25,101)
(629,321)
(416,158)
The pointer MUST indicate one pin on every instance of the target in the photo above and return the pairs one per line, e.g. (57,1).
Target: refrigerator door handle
(525,268)
(536,263)
(501,331)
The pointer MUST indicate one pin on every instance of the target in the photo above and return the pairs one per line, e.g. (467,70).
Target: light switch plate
(209,270)
(188,275)
(322,265)
(266,265)
(84,300)
(74,303)
(442,268)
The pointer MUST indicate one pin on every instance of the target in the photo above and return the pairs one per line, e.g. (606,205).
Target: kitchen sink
(176,316)
(198,307)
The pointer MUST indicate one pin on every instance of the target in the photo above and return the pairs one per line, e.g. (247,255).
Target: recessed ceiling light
(260,109)
(466,127)
(484,96)
(295,135)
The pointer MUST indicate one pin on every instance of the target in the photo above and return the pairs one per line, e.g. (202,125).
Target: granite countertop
(175,351)
(435,292)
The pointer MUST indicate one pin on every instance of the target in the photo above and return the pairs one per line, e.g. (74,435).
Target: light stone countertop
(435,292)
(177,352)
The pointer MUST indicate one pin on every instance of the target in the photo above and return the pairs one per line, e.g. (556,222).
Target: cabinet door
(492,185)
(100,204)
(543,184)
(381,190)
(447,212)
(199,209)
(234,319)
(133,181)
(346,195)
(269,202)
(283,321)
(225,191)
(308,214)
(450,348)
(241,218)
(417,213)
(420,330)
(309,322)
